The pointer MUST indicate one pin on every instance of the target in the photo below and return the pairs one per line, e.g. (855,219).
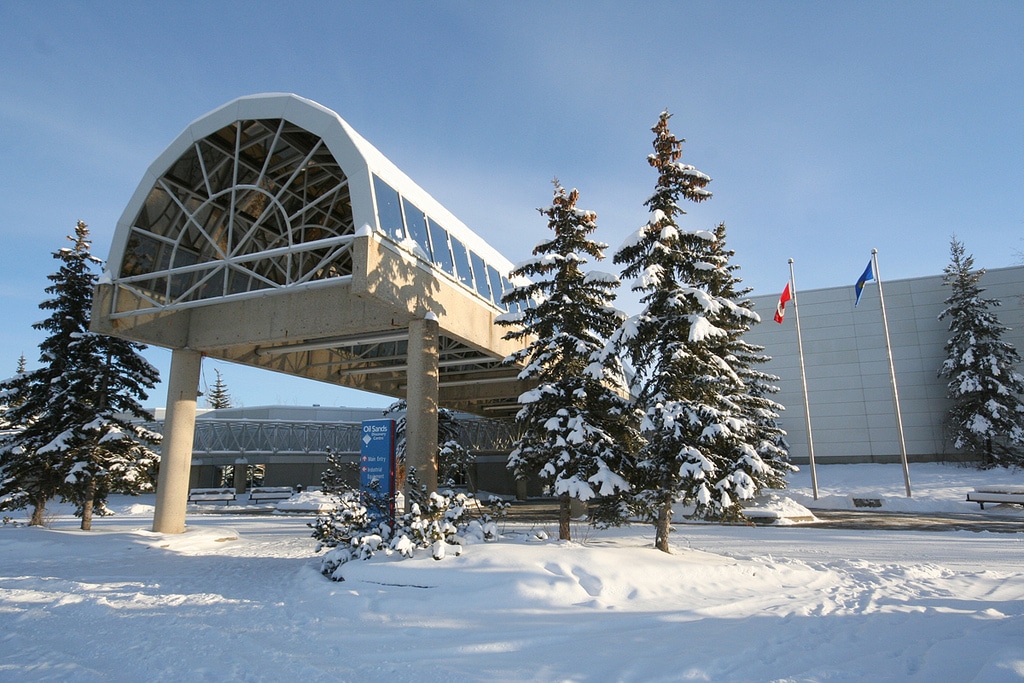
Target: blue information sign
(377,462)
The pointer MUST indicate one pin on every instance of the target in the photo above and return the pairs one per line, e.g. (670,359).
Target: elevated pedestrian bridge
(221,442)
(271,234)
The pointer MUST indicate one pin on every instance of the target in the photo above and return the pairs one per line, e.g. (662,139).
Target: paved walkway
(544,511)
(919,521)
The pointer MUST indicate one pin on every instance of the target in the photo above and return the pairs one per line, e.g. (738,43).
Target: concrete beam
(399,282)
(168,329)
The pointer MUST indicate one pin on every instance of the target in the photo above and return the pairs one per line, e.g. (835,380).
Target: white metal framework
(258,204)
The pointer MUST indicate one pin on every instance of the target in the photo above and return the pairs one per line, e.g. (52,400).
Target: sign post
(377,468)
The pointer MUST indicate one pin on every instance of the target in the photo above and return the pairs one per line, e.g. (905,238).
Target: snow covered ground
(238,598)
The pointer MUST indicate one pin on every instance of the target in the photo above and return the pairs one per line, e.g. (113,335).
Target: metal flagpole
(892,374)
(803,379)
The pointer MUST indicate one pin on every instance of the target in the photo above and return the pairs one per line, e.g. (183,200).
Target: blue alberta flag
(868,275)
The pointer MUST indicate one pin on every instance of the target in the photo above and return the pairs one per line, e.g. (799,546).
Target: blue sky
(829,129)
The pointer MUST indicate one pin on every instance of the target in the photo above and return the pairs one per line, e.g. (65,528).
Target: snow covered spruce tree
(576,421)
(219,396)
(77,414)
(769,468)
(987,416)
(110,450)
(34,469)
(701,441)
(454,461)
(27,477)
(6,401)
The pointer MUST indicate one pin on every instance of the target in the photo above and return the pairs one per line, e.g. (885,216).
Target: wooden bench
(260,494)
(996,494)
(200,496)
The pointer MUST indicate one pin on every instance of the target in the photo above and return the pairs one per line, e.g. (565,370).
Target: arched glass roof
(255,205)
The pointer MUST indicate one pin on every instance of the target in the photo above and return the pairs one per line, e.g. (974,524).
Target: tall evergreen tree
(43,400)
(109,448)
(576,420)
(987,416)
(767,466)
(219,396)
(75,437)
(698,432)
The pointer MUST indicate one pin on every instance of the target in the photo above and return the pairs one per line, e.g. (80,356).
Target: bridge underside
(351,331)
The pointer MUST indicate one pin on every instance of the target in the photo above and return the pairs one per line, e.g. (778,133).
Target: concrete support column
(179,433)
(421,397)
(241,472)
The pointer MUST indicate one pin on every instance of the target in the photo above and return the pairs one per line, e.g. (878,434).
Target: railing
(489,435)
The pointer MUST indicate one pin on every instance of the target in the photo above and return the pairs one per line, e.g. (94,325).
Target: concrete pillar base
(240,479)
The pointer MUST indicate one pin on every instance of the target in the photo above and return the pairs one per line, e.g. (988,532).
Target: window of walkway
(401,220)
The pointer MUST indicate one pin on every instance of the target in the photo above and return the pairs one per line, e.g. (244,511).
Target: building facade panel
(847,364)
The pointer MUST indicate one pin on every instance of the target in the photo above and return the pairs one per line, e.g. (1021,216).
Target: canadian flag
(780,310)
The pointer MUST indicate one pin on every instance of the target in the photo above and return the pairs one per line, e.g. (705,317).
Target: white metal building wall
(851,405)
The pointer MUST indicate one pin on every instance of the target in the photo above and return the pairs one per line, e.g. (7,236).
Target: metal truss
(256,439)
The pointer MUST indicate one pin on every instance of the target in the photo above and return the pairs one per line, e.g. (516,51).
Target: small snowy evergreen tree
(27,478)
(339,476)
(454,461)
(697,418)
(75,434)
(219,396)
(5,400)
(454,465)
(987,416)
(576,421)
